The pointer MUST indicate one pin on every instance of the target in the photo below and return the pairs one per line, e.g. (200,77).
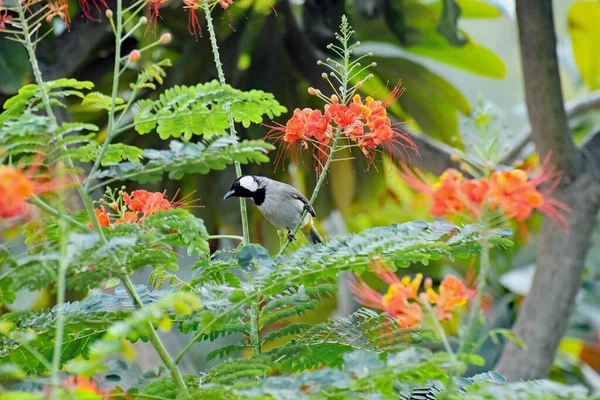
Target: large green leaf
(471,9)
(14,66)
(585,34)
(414,25)
(429,99)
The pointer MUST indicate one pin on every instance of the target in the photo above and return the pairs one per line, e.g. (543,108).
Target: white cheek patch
(248,183)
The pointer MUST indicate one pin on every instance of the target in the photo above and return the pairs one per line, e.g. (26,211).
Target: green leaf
(585,34)
(448,24)
(190,158)
(471,9)
(429,99)
(14,66)
(184,111)
(7,291)
(101,101)
(115,153)
(470,57)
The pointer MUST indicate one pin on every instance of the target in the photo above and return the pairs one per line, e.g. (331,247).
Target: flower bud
(135,55)
(463,166)
(358,84)
(143,21)
(519,163)
(165,38)
(324,75)
(454,157)
(312,91)
(334,99)
(108,13)
(489,165)
(114,206)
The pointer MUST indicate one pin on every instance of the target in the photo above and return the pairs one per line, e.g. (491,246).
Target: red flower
(86,8)
(225,3)
(153,11)
(103,217)
(194,26)
(146,202)
(4,18)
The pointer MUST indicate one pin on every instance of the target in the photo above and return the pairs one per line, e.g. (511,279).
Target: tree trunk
(544,316)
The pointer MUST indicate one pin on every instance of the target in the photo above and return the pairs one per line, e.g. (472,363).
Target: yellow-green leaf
(585,34)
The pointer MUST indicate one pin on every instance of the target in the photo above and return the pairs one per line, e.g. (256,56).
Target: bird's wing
(297,195)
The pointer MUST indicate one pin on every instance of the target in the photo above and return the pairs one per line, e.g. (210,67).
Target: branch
(544,315)
(590,150)
(543,94)
(574,108)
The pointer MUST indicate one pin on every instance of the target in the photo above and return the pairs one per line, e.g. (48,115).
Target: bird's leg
(291,237)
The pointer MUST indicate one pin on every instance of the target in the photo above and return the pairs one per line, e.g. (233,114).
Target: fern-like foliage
(189,158)
(90,261)
(183,111)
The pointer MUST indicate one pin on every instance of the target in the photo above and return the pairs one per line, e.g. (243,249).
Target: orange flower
(129,217)
(445,194)
(17,186)
(103,217)
(514,194)
(225,3)
(396,300)
(452,293)
(394,303)
(146,202)
(84,384)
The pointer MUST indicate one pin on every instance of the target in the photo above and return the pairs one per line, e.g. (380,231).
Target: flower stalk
(217,58)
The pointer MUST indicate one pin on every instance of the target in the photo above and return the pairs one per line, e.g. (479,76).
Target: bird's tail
(310,232)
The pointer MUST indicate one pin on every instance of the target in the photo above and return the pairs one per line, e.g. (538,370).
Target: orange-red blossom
(139,201)
(364,123)
(513,192)
(402,300)
(17,186)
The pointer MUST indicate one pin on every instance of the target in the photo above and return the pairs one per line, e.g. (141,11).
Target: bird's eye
(236,183)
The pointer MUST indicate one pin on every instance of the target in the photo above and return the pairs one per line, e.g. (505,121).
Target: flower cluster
(135,207)
(403,301)
(364,123)
(60,9)
(17,186)
(514,192)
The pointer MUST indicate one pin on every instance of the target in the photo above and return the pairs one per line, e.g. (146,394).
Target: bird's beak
(229,194)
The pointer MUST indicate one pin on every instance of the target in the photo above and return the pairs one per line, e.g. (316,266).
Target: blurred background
(456,59)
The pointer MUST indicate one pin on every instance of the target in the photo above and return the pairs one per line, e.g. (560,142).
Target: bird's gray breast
(281,209)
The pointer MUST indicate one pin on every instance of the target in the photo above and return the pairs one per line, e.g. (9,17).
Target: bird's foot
(291,237)
(308,209)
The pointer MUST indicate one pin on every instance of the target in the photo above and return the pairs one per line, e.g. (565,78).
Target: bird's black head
(247,186)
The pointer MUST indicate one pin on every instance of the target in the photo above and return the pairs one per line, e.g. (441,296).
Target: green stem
(233,237)
(152,335)
(115,89)
(154,339)
(232,131)
(35,66)
(52,211)
(254,327)
(484,267)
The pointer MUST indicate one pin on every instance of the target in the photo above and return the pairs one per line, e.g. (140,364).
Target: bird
(281,204)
